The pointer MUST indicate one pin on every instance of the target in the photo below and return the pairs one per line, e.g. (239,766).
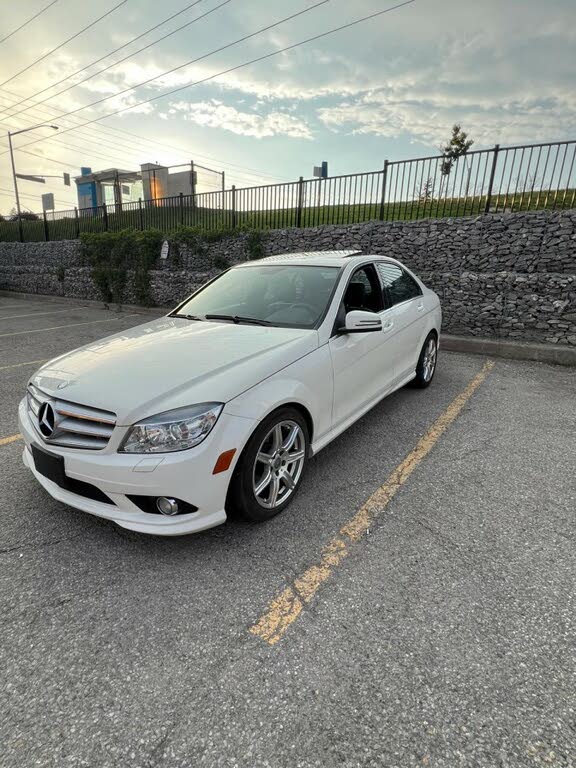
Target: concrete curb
(515,350)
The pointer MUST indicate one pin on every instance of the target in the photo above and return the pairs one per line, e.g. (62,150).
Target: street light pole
(14,175)
(15,133)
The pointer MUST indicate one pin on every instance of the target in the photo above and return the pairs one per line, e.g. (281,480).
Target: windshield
(293,296)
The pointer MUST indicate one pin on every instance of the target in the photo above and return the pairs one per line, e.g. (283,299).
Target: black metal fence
(501,179)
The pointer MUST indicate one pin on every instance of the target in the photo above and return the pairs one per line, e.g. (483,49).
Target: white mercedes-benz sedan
(168,427)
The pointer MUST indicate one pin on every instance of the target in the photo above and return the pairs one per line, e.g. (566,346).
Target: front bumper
(185,475)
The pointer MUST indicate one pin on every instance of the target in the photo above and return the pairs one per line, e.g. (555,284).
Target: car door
(362,362)
(404,297)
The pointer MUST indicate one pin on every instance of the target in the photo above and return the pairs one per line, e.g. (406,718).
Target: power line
(97,61)
(254,172)
(196,60)
(75,148)
(120,152)
(29,21)
(120,61)
(235,68)
(69,39)
(72,148)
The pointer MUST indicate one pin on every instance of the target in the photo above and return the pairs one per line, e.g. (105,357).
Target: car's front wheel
(271,467)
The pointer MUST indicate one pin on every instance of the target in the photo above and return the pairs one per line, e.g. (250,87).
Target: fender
(308,382)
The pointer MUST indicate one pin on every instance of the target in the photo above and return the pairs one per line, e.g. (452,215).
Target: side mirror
(360,321)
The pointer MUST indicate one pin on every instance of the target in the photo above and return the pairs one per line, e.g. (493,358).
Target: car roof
(312,258)
(337,258)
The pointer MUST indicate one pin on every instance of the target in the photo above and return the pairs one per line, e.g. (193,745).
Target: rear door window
(398,285)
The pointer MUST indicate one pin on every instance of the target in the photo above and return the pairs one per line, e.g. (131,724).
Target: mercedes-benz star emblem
(46,419)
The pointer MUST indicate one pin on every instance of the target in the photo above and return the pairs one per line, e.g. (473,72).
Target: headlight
(173,430)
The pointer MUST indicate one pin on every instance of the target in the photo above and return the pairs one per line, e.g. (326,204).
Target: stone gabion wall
(501,275)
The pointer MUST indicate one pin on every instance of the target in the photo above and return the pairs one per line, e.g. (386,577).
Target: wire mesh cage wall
(501,179)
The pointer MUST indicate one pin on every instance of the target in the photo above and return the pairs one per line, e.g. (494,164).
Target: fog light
(167,506)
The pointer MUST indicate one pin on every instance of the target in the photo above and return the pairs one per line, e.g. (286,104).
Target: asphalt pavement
(444,638)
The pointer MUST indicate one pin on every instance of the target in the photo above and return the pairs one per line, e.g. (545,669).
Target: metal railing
(501,179)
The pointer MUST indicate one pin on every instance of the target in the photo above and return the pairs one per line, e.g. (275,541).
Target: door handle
(388,326)
(420,307)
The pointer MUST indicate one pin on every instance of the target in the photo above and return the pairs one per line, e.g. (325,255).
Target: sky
(390,88)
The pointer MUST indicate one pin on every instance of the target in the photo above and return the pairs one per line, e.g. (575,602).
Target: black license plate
(49,465)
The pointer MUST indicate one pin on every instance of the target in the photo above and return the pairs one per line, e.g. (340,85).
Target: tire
(272,439)
(426,367)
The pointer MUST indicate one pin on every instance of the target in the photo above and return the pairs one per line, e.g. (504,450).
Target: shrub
(255,245)
(113,254)
(221,262)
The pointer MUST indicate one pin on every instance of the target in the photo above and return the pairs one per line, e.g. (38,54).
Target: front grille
(75,426)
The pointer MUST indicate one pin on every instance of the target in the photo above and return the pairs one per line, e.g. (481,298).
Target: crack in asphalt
(40,545)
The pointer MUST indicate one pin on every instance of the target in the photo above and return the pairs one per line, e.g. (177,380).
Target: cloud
(215,114)
(428,120)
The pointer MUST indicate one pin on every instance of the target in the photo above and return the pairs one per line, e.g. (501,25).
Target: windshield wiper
(187,317)
(239,319)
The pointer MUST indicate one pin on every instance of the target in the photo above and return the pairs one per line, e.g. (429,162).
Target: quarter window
(398,285)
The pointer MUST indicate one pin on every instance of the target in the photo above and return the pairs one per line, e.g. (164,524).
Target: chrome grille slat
(77,426)
(84,412)
(85,427)
(69,440)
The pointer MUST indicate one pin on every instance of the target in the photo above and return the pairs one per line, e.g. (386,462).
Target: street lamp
(15,133)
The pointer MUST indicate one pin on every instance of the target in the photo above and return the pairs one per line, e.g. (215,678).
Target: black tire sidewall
(241,499)
(420,381)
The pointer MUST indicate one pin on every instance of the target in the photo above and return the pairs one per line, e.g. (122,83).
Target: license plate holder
(49,465)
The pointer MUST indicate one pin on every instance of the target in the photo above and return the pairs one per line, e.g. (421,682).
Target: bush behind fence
(501,179)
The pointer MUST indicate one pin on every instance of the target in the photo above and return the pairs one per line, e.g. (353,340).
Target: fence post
(383,198)
(491,182)
(77,222)
(181,204)
(20,229)
(300,201)
(140,216)
(193,183)
(105,217)
(233,206)
(46,233)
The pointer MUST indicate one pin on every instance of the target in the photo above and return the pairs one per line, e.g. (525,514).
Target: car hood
(170,363)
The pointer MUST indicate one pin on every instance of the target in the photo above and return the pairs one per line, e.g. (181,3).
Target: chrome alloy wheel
(429,361)
(279,464)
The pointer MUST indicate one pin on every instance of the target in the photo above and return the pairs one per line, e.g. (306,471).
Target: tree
(458,145)
(455,147)
(24,215)
(426,191)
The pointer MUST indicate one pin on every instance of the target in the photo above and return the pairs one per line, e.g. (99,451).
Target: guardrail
(502,179)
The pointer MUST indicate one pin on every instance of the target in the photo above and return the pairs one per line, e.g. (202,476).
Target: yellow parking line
(286,608)
(11,439)
(70,325)
(19,365)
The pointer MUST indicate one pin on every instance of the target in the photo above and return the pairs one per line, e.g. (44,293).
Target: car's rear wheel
(427,362)
(271,467)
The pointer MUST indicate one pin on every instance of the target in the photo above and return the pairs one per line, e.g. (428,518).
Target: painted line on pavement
(11,439)
(37,314)
(70,325)
(289,604)
(19,365)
